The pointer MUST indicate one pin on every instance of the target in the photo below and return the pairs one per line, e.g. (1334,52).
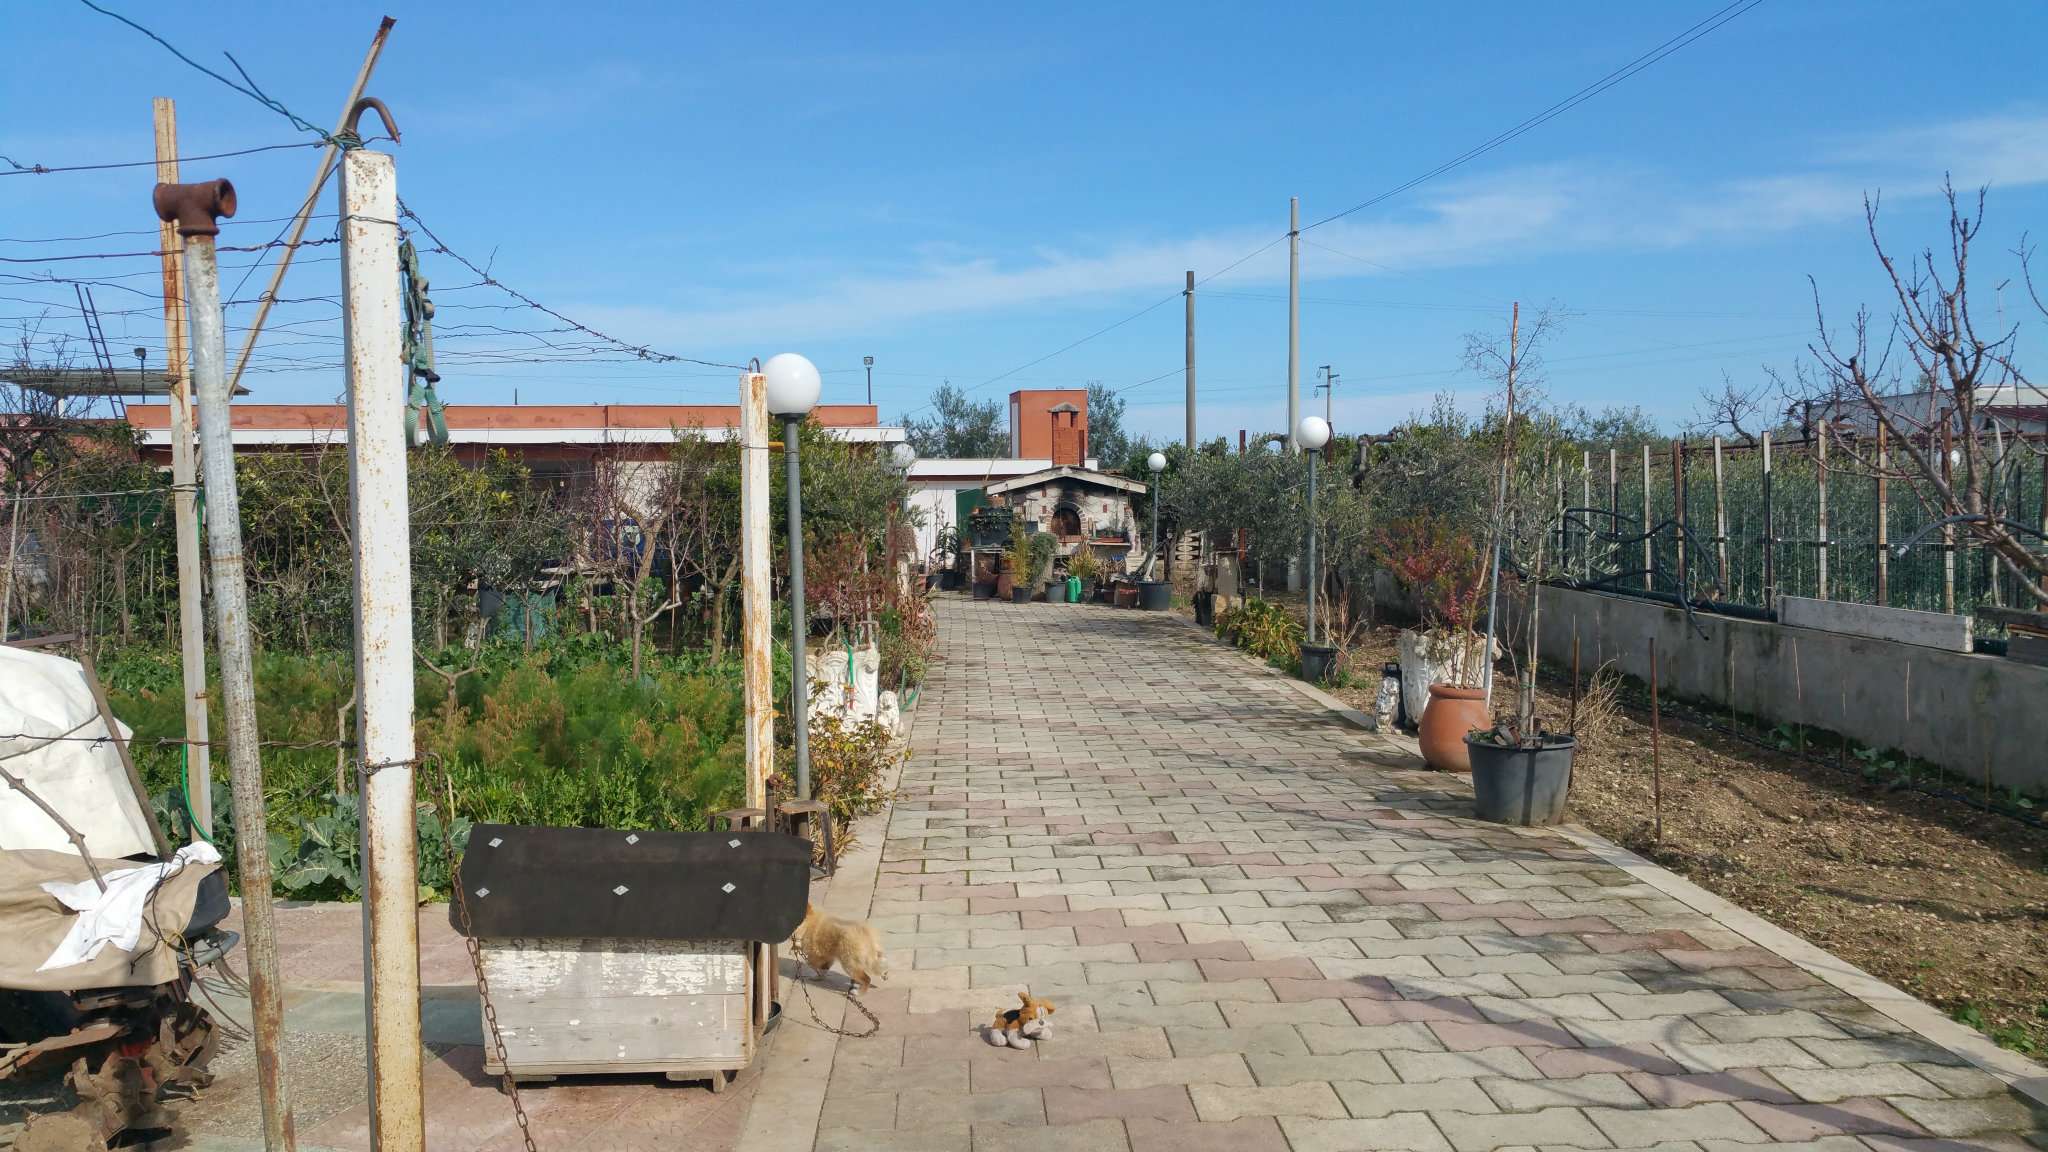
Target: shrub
(849,763)
(1262,628)
(1084,564)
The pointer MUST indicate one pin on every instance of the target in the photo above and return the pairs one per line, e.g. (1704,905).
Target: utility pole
(196,209)
(184,482)
(372,331)
(1293,319)
(1190,294)
(1329,390)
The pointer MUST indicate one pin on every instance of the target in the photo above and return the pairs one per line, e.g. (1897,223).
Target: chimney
(1069,450)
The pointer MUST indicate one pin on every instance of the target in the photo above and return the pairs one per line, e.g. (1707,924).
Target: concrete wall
(1971,714)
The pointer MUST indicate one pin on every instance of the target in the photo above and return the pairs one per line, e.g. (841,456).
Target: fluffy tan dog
(822,941)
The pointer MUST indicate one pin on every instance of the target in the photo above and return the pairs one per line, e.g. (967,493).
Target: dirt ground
(1933,895)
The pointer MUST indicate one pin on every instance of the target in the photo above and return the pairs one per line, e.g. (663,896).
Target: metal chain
(874,1023)
(445,787)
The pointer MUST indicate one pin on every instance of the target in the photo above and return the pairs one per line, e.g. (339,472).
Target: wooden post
(1649,546)
(1720,526)
(1884,554)
(1572,723)
(1770,535)
(1678,515)
(1614,507)
(756,628)
(1820,457)
(184,482)
(1656,740)
(1585,525)
(1948,531)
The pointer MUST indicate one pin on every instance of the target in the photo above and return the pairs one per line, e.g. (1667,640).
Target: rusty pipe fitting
(372,104)
(194,208)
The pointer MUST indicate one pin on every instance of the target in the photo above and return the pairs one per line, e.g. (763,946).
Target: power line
(484,277)
(159,252)
(142,231)
(19,169)
(1637,65)
(1633,67)
(247,88)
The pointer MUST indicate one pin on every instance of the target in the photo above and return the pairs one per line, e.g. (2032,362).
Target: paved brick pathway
(1266,929)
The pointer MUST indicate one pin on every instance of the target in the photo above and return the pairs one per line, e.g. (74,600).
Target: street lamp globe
(1156,462)
(902,456)
(1312,433)
(793,384)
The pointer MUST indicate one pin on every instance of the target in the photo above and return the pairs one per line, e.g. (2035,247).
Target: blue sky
(959,190)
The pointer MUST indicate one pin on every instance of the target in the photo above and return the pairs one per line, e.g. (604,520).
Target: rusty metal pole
(195,208)
(372,331)
(184,483)
(1656,741)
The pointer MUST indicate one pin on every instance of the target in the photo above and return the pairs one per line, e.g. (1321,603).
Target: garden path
(1267,929)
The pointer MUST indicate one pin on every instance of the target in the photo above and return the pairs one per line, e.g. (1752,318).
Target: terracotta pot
(1452,712)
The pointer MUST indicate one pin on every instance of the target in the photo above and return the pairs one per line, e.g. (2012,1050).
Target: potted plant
(1521,774)
(1045,549)
(989,526)
(1017,563)
(1085,566)
(1441,568)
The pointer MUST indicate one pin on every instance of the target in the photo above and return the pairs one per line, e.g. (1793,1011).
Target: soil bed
(1937,897)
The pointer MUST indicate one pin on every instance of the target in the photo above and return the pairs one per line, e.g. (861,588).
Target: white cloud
(1483,220)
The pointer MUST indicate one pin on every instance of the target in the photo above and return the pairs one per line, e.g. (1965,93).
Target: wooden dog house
(613,951)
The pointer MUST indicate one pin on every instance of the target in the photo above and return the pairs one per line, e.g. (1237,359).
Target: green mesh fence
(1722,553)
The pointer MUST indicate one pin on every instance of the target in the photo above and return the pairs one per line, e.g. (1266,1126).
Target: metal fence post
(1649,545)
(1720,525)
(1884,554)
(1820,458)
(196,208)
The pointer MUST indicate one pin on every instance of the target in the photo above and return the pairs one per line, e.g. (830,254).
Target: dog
(822,941)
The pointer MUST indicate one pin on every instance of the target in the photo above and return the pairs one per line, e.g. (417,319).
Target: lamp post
(1312,433)
(868,362)
(1157,463)
(793,387)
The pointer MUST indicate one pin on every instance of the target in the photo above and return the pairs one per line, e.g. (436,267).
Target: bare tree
(1736,409)
(1950,434)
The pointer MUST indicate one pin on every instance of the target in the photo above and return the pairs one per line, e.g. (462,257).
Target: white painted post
(757,639)
(378,509)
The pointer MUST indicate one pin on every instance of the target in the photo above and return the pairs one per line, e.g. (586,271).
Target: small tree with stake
(1951,437)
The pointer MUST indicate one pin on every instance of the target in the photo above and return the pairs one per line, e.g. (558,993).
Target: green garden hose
(185,792)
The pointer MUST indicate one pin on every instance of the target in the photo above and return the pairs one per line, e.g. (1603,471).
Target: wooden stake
(1720,526)
(1678,515)
(1572,724)
(1614,507)
(1884,555)
(184,481)
(1656,739)
(1649,551)
(1820,456)
(1585,501)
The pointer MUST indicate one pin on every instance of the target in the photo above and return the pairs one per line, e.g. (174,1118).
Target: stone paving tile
(1266,930)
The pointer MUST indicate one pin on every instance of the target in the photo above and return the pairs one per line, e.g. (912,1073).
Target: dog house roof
(601,882)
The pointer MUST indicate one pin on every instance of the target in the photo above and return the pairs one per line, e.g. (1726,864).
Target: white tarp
(42,697)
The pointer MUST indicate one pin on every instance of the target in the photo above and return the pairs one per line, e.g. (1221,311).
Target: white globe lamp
(793,384)
(902,456)
(1156,462)
(1312,433)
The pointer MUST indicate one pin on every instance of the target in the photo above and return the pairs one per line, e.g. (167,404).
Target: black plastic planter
(1021,594)
(984,591)
(1205,609)
(1155,595)
(1527,786)
(1317,662)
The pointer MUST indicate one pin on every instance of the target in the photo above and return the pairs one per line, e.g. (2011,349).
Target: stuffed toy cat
(1022,1026)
